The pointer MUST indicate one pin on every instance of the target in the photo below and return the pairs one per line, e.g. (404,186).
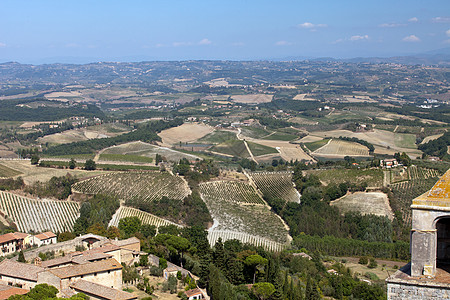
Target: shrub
(363,260)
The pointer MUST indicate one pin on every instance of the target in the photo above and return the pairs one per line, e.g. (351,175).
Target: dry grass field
(304,97)
(358,98)
(252,98)
(431,138)
(31,174)
(338,148)
(286,150)
(376,203)
(188,132)
(6,172)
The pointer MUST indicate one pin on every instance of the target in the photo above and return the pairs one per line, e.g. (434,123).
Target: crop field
(431,138)
(125,158)
(258,149)
(252,98)
(147,151)
(39,215)
(226,207)
(317,144)
(232,148)
(254,132)
(339,148)
(376,203)
(415,172)
(286,150)
(188,132)
(145,217)
(276,185)
(218,137)
(373,177)
(135,186)
(387,142)
(31,173)
(6,172)
(235,191)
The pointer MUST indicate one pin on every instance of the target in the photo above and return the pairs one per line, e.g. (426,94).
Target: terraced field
(339,148)
(135,186)
(276,185)
(39,215)
(232,214)
(376,203)
(145,217)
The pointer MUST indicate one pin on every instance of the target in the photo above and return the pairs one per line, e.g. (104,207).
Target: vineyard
(339,148)
(135,186)
(225,202)
(145,217)
(245,238)
(38,215)
(276,185)
(415,172)
(235,191)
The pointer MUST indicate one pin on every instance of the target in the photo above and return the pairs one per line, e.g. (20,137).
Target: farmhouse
(427,276)
(173,270)
(388,163)
(12,242)
(45,238)
(194,294)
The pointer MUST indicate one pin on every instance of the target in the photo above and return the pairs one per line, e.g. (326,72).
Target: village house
(45,238)
(389,163)
(17,274)
(99,292)
(194,294)
(12,242)
(173,270)
(7,291)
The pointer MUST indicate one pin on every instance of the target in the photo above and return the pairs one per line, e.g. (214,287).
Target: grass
(364,203)
(254,132)
(280,136)
(218,137)
(65,164)
(76,156)
(258,149)
(373,177)
(127,158)
(313,146)
(232,147)
(8,172)
(405,141)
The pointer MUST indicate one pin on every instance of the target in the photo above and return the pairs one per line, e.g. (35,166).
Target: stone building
(428,274)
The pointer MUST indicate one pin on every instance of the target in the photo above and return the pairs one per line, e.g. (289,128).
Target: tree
(97,229)
(90,165)
(112,232)
(180,244)
(66,236)
(263,290)
(34,159)
(129,225)
(219,255)
(72,164)
(21,257)
(255,261)
(148,230)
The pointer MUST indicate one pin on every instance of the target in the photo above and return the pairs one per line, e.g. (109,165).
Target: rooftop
(45,235)
(193,292)
(437,197)
(121,243)
(7,291)
(403,276)
(85,269)
(19,270)
(9,237)
(102,291)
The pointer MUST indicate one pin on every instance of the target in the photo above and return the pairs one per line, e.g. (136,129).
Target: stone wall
(400,291)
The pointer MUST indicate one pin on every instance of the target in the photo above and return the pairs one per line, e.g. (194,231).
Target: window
(95,274)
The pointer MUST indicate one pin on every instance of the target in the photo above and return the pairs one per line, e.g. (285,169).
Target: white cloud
(413,19)
(283,43)
(447,32)
(411,38)
(205,42)
(359,37)
(391,25)
(2,45)
(441,20)
(311,26)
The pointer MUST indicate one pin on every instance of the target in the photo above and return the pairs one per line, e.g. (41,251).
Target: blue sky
(97,30)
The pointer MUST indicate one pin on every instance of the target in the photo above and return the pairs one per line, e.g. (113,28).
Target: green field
(254,132)
(8,172)
(373,177)
(258,149)
(126,158)
(405,141)
(232,147)
(218,137)
(313,146)
(76,156)
(281,136)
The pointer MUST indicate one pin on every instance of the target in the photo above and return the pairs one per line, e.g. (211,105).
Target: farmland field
(218,137)
(258,149)
(317,144)
(147,151)
(376,203)
(32,173)
(188,132)
(339,148)
(286,150)
(39,215)
(252,98)
(145,217)
(373,177)
(254,132)
(224,201)
(135,186)
(125,158)
(232,148)
(276,185)
(8,172)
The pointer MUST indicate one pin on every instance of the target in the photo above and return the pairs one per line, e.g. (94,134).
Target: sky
(84,31)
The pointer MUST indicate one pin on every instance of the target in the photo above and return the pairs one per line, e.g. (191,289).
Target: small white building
(45,238)
(194,294)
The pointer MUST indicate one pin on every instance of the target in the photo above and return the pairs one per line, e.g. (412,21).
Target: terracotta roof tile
(19,270)
(89,268)
(9,237)
(100,290)
(45,235)
(7,291)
